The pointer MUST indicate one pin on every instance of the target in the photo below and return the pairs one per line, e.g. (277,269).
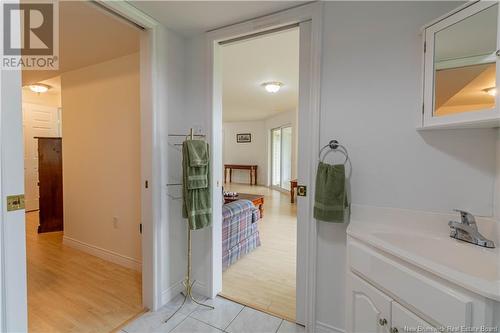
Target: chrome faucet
(466,230)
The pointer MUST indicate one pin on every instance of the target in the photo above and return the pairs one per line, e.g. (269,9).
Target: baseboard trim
(169,294)
(200,288)
(172,291)
(103,253)
(325,328)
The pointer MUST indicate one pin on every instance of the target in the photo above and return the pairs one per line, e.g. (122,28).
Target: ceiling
(194,17)
(87,35)
(248,64)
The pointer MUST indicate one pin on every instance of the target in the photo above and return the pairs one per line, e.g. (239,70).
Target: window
(281,157)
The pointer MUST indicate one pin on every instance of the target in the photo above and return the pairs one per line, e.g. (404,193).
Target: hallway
(72,291)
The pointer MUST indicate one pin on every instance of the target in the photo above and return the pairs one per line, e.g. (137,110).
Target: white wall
(259,150)
(178,121)
(254,152)
(101,159)
(371,97)
(497,180)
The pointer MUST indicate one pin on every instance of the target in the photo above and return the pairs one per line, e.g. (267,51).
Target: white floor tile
(150,321)
(145,323)
(191,325)
(225,311)
(188,307)
(168,326)
(288,327)
(250,321)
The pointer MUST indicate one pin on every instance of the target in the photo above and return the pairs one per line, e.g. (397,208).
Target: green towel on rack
(330,201)
(197,202)
(197,157)
(198,153)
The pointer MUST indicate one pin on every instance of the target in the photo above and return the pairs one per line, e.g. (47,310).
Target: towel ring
(334,146)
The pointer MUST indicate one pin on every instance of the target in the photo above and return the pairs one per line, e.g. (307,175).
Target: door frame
(310,18)
(13,288)
(153,111)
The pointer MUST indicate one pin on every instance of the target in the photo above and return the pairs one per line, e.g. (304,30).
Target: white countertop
(422,239)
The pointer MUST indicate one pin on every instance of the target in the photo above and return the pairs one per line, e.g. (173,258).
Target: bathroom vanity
(405,274)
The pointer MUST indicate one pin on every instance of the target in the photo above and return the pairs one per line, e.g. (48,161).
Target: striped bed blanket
(240,234)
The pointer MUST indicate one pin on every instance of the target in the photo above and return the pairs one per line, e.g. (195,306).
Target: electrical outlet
(115,222)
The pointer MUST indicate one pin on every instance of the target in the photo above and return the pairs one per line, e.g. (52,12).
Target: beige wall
(101,159)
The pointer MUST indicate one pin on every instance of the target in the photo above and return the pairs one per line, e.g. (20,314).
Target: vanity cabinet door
(370,308)
(404,320)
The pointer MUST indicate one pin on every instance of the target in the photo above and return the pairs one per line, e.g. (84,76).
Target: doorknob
(301,190)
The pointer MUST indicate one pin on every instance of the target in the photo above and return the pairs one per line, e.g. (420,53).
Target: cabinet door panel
(461,67)
(370,308)
(403,320)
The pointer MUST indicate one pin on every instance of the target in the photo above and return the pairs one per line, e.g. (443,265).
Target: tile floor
(227,317)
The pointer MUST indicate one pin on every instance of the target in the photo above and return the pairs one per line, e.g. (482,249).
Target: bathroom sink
(422,239)
(466,258)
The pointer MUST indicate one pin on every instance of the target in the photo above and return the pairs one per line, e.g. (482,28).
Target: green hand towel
(331,202)
(198,152)
(197,171)
(197,202)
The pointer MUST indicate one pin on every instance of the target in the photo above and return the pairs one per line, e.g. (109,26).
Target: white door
(13,294)
(404,320)
(38,121)
(370,310)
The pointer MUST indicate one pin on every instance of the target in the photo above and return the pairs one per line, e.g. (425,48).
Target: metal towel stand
(188,284)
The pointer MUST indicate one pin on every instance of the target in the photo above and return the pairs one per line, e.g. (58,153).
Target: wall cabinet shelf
(461,55)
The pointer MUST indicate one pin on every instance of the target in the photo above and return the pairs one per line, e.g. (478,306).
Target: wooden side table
(251,168)
(293,186)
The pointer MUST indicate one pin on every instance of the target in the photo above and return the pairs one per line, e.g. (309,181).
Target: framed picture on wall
(244,138)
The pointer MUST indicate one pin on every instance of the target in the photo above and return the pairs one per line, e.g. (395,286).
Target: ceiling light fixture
(272,87)
(39,88)
(491,91)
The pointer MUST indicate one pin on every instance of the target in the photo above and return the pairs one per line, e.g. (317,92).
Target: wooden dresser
(50,183)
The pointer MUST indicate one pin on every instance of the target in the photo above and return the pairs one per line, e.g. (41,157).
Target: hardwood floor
(72,291)
(265,279)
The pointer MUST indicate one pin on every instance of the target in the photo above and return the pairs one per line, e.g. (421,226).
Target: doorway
(83,177)
(308,19)
(259,249)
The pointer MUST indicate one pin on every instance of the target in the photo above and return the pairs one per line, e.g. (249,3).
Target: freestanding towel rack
(188,284)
